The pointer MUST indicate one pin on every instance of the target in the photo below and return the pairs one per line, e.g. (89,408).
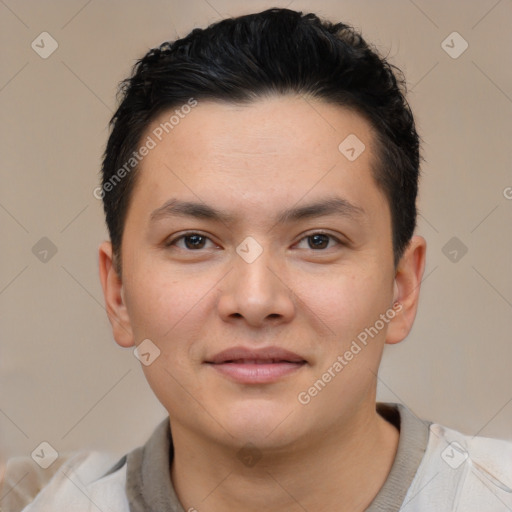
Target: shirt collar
(149,486)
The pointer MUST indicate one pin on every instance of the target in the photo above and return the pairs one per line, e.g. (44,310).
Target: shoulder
(70,483)
(461,472)
(483,455)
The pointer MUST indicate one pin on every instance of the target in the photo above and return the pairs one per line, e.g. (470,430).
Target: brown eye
(318,241)
(190,242)
(194,241)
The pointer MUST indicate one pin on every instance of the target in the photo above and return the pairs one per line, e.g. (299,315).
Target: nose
(256,292)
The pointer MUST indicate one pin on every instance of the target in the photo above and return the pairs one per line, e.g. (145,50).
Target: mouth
(256,366)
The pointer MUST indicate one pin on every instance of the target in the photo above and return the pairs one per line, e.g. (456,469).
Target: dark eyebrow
(329,206)
(175,207)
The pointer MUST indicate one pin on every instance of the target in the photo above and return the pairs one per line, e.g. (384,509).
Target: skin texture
(254,162)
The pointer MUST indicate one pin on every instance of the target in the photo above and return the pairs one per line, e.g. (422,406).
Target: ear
(407,289)
(114,301)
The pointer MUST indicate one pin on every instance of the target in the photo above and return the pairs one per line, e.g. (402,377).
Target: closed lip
(263,355)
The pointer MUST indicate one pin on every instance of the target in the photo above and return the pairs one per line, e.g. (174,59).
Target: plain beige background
(63,379)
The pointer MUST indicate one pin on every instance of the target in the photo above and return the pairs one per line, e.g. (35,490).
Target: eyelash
(173,241)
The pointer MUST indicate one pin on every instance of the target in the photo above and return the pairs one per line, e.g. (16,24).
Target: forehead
(269,152)
(277,125)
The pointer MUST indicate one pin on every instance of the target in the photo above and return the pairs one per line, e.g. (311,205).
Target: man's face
(256,279)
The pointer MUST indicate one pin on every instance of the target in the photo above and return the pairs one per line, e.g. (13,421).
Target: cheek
(161,304)
(343,302)
(170,311)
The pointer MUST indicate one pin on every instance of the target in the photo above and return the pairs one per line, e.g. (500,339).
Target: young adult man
(259,187)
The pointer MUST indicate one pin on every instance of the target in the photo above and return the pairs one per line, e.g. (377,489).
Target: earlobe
(113,294)
(406,289)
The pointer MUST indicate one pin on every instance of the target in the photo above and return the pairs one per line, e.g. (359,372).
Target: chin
(261,422)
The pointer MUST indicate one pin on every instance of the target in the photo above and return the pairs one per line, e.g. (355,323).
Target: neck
(340,470)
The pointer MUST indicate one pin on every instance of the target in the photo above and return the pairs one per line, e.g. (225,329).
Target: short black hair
(274,52)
